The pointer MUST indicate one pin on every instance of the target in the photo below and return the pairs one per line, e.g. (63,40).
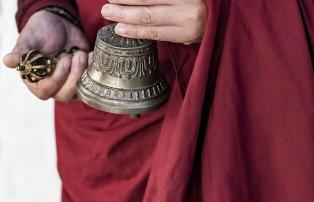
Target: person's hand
(179,21)
(50,34)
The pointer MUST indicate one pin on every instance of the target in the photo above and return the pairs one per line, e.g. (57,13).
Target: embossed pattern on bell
(135,95)
(123,75)
(124,57)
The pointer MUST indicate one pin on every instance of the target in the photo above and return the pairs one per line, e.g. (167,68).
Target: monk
(239,124)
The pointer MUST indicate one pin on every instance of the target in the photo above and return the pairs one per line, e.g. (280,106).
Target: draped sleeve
(28,7)
(244,130)
(239,129)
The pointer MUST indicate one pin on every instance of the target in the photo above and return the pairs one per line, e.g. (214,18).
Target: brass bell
(123,75)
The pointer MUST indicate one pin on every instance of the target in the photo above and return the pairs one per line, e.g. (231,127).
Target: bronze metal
(35,66)
(123,76)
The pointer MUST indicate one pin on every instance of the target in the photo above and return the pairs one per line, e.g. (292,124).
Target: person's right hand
(50,34)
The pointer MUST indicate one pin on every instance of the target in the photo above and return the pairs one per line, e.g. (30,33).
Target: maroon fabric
(238,126)
(27,7)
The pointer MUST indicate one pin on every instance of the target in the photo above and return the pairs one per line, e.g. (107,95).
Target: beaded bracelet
(63,13)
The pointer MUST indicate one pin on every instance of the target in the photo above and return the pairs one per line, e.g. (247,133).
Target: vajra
(35,66)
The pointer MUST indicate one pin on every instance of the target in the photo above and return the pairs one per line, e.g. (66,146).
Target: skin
(179,21)
(50,34)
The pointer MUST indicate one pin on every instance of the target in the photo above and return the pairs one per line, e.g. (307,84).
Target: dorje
(123,76)
(35,66)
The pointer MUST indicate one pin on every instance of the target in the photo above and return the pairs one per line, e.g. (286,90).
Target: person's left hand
(179,21)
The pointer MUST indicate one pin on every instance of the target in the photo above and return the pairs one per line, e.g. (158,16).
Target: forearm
(27,7)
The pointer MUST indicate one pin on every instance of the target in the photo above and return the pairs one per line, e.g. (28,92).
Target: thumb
(12,59)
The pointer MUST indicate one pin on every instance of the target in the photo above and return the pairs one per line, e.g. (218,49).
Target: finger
(12,59)
(90,57)
(143,2)
(24,44)
(159,33)
(79,41)
(140,15)
(49,86)
(68,90)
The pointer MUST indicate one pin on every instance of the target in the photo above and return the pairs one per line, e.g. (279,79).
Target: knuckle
(195,32)
(67,94)
(192,36)
(197,13)
(44,90)
(42,94)
(197,16)
(77,54)
(119,13)
(153,34)
(146,15)
(64,99)
(139,33)
(71,91)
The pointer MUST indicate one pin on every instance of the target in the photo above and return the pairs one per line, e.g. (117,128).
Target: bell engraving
(123,76)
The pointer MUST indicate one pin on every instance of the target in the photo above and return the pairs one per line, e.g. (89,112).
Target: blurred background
(28,170)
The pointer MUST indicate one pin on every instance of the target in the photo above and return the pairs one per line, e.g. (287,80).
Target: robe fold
(238,127)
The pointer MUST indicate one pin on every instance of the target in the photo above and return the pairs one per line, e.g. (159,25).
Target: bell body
(123,76)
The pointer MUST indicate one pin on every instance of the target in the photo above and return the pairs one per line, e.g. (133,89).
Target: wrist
(26,9)
(62,13)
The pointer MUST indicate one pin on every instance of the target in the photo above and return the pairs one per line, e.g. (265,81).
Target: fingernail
(119,29)
(107,11)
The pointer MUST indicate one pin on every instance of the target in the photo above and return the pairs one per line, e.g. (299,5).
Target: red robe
(239,125)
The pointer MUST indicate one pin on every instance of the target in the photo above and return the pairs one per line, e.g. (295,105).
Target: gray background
(27,146)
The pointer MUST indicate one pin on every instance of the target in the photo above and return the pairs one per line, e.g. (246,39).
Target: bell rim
(102,104)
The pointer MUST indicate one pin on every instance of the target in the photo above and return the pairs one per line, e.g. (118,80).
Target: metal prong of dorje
(35,66)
